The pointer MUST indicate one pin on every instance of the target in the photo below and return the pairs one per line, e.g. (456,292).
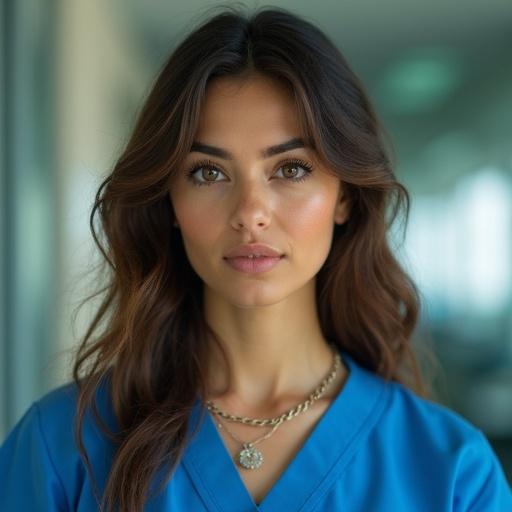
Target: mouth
(253,264)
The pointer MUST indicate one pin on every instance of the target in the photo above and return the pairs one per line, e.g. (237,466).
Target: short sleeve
(28,478)
(481,484)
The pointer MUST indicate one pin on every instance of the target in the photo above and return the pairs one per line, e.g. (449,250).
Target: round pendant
(250,458)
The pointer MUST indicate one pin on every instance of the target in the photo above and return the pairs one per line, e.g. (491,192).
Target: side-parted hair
(148,337)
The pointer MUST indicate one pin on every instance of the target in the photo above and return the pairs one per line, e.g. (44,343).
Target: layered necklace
(250,457)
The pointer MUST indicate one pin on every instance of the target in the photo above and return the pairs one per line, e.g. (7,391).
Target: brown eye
(295,171)
(204,173)
(210,174)
(290,170)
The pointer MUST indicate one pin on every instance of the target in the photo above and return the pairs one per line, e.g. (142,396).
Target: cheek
(198,226)
(311,218)
(198,222)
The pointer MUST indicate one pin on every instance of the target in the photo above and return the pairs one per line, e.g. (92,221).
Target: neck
(274,355)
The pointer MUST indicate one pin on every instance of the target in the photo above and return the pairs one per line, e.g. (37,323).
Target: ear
(342,209)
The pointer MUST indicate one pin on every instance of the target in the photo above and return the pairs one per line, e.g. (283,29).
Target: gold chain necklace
(251,458)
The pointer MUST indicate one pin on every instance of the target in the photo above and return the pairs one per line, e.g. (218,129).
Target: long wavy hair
(148,335)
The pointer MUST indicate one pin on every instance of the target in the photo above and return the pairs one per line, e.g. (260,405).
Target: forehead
(241,109)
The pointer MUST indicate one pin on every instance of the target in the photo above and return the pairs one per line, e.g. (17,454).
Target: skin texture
(267,322)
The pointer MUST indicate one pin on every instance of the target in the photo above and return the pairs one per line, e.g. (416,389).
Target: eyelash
(209,164)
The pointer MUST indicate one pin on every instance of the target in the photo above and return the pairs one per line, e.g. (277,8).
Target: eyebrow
(296,142)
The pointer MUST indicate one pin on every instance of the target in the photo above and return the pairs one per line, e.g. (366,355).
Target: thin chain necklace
(251,458)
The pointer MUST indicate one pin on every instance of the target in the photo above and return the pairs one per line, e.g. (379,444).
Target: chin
(250,297)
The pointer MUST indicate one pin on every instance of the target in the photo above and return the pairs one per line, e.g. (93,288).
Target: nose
(252,208)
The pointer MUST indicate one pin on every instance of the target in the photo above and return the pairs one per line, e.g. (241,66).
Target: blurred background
(74,73)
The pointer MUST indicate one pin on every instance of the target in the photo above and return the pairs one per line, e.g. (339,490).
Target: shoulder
(403,411)
(57,410)
(429,418)
(58,415)
(48,417)
(37,457)
(40,461)
(51,420)
(448,447)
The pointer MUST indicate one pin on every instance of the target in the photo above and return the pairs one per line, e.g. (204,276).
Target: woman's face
(244,197)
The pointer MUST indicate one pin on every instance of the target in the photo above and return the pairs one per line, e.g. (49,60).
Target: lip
(246,250)
(253,265)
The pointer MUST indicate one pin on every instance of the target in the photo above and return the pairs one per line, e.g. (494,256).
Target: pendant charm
(250,457)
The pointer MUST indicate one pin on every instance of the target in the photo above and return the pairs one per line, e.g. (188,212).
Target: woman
(256,350)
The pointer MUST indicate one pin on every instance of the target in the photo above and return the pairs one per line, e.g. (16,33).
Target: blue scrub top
(378,447)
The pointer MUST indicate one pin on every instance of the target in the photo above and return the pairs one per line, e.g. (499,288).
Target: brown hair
(152,340)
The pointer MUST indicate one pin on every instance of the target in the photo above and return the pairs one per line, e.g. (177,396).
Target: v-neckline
(325,453)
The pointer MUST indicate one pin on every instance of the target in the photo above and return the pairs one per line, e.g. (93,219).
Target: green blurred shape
(421,80)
